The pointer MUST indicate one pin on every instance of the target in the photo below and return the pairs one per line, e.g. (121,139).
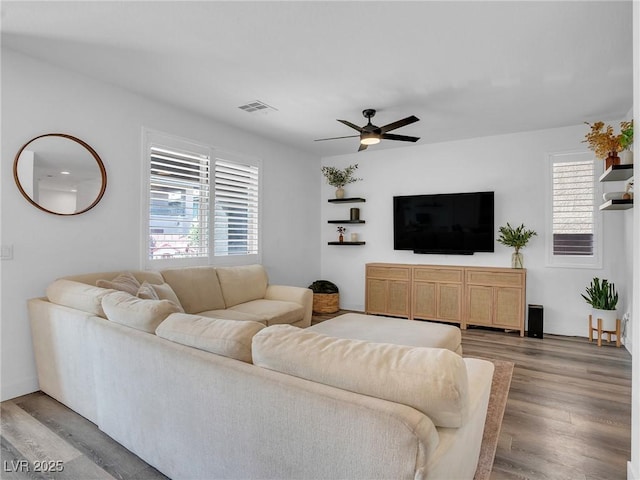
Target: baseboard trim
(631,473)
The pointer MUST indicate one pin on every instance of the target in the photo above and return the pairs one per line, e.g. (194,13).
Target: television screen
(456,223)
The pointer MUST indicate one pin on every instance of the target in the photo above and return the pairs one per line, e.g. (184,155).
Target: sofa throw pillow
(431,380)
(147,292)
(134,312)
(125,282)
(229,338)
(165,292)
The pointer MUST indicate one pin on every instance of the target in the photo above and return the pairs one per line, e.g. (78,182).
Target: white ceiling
(466,69)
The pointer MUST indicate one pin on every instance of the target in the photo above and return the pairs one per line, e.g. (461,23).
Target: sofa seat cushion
(138,313)
(242,284)
(197,288)
(272,312)
(229,338)
(232,315)
(78,295)
(431,380)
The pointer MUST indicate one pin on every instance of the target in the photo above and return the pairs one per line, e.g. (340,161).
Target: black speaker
(535,324)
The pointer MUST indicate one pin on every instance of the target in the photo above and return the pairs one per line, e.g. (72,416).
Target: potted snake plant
(602,296)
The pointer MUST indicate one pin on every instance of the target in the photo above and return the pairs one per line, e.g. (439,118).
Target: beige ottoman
(399,331)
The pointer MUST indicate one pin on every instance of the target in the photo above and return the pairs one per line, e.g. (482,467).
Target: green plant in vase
(338,178)
(517,238)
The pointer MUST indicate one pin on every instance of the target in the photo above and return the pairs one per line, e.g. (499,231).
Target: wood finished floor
(568,417)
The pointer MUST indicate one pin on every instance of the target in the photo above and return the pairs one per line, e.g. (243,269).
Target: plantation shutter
(573,208)
(178,204)
(236,208)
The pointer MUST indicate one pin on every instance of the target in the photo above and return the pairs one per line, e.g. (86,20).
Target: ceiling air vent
(257,106)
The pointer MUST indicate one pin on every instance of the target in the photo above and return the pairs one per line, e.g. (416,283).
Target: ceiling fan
(371,134)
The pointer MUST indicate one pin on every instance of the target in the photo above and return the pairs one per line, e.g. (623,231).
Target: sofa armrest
(302,296)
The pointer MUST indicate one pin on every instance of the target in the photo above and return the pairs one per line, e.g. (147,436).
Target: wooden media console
(487,296)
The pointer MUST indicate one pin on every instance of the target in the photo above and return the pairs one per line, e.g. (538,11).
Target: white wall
(38,98)
(514,166)
(633,468)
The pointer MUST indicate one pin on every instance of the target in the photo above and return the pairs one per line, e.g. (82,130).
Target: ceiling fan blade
(352,125)
(402,138)
(399,123)
(334,138)
(362,147)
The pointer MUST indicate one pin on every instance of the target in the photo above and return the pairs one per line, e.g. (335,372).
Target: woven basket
(326,302)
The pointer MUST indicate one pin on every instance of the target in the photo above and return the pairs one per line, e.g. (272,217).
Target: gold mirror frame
(94,154)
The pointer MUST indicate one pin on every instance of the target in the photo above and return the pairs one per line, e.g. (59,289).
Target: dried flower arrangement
(602,140)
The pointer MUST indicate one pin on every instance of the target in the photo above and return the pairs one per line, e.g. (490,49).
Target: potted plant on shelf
(602,296)
(326,296)
(338,178)
(517,238)
(604,142)
(626,142)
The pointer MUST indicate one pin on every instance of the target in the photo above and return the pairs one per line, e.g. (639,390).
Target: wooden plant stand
(600,331)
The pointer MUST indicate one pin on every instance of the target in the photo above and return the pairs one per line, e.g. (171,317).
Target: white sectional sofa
(202,395)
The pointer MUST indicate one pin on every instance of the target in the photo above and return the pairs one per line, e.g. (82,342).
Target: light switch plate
(6,252)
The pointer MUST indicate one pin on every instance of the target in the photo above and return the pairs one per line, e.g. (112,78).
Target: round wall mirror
(60,174)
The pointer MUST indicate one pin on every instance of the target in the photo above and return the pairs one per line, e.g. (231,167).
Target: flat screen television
(451,223)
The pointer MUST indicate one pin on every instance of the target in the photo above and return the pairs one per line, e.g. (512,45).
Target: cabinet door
(376,295)
(424,300)
(480,305)
(509,307)
(450,302)
(398,298)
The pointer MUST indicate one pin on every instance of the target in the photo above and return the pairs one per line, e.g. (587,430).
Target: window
(574,223)
(236,208)
(201,205)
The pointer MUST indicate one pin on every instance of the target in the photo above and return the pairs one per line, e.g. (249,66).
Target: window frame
(574,261)
(156,138)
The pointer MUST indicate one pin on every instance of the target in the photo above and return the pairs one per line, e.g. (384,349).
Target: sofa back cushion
(197,288)
(431,380)
(229,338)
(242,284)
(78,295)
(139,313)
(150,276)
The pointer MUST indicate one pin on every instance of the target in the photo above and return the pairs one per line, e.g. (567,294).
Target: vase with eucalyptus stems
(516,237)
(338,178)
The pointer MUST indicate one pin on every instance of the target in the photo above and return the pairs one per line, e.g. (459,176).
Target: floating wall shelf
(346,200)
(616,173)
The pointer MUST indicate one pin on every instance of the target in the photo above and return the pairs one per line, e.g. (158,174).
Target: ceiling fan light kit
(369,139)
(371,134)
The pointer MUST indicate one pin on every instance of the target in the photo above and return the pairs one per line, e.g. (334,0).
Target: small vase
(341,238)
(626,157)
(517,260)
(612,159)
(340,192)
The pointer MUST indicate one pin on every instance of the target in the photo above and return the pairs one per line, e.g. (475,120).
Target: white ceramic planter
(608,318)
(626,157)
